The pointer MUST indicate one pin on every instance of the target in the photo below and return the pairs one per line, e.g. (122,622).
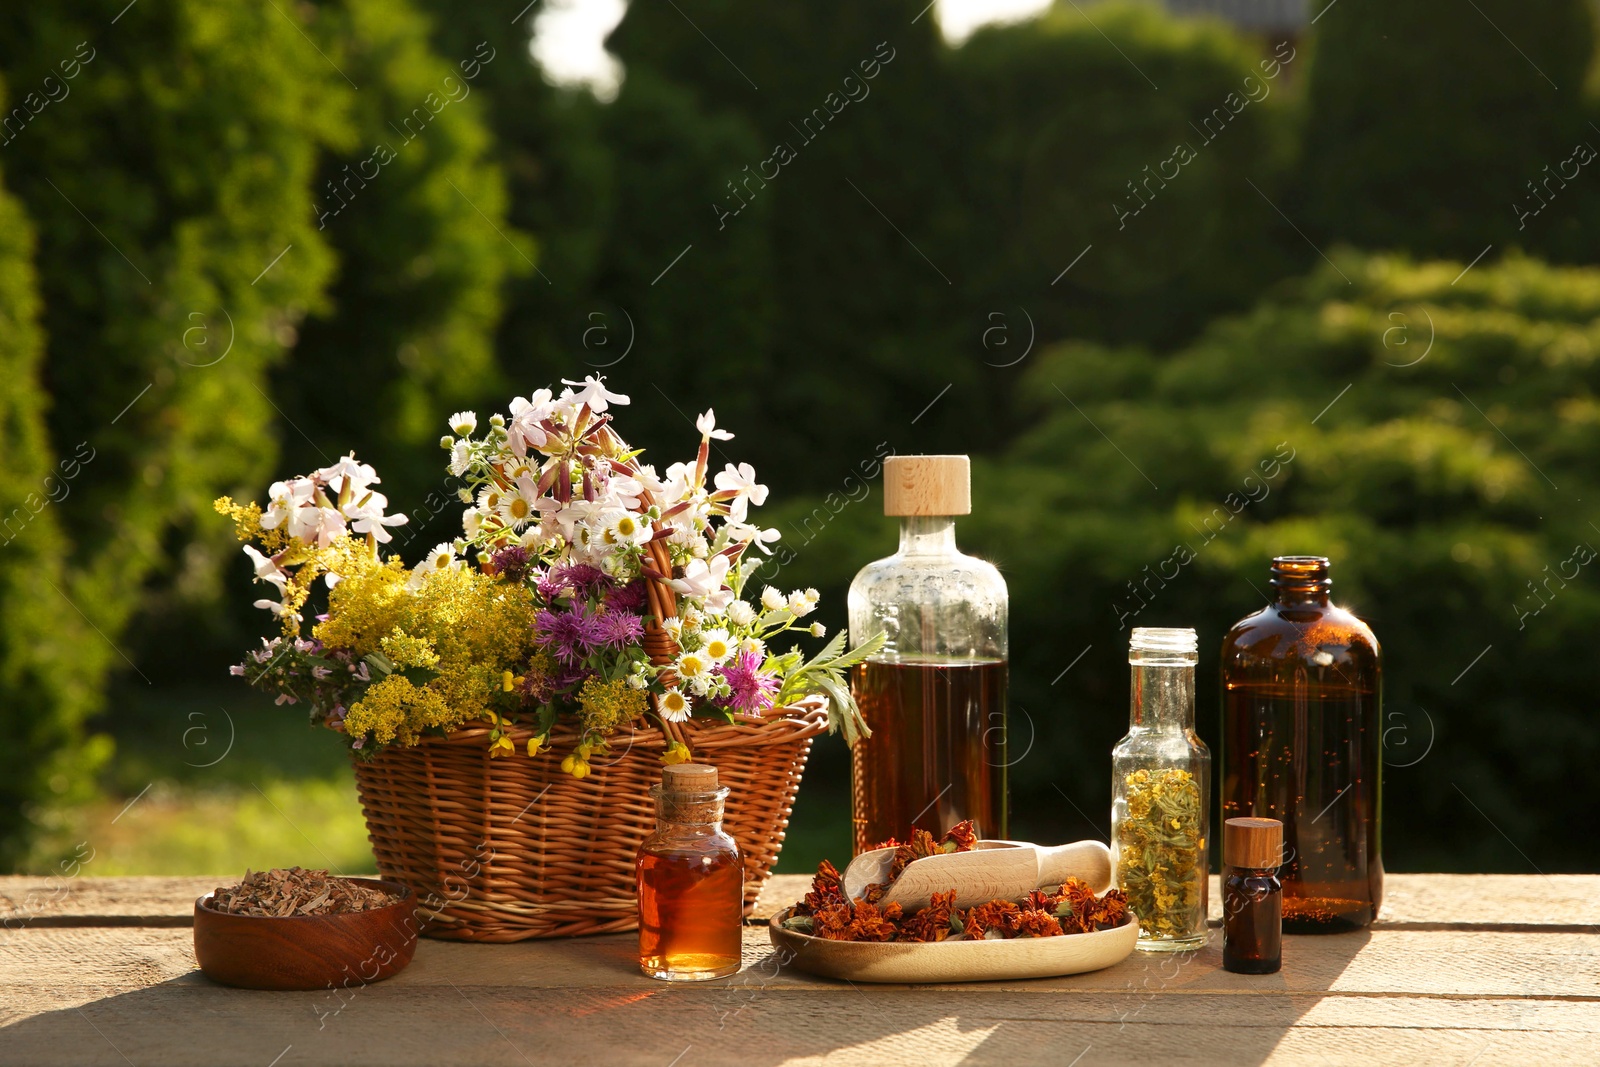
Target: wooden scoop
(992,870)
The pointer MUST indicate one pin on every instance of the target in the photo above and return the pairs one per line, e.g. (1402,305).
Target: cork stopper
(1253,843)
(689,793)
(927,485)
(689,778)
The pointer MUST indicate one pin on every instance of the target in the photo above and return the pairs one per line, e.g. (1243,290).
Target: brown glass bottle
(1301,733)
(1252,896)
(691,882)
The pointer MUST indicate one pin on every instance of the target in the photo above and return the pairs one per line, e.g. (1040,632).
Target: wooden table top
(1461,969)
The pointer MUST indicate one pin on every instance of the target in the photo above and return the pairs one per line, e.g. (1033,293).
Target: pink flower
(749,690)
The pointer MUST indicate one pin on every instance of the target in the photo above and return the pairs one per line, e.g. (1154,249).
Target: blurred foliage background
(1134,265)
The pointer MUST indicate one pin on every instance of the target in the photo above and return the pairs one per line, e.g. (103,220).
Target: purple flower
(571,634)
(336,716)
(749,690)
(631,597)
(578,580)
(511,563)
(619,628)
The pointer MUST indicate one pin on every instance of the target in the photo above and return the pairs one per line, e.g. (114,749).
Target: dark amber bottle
(691,882)
(1252,896)
(1301,731)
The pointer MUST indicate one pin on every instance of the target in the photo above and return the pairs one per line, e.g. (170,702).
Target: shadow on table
(542,1002)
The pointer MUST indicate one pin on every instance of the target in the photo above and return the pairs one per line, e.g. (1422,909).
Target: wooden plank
(98,994)
(399,1024)
(1567,901)
(1432,963)
(84,901)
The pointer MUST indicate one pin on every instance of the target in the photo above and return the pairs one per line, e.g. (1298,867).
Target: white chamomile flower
(818,630)
(674,706)
(516,510)
(812,595)
(753,646)
(716,644)
(673,627)
(627,529)
(464,422)
(472,521)
(800,605)
(693,665)
(692,619)
(443,558)
(741,613)
(773,600)
(460,459)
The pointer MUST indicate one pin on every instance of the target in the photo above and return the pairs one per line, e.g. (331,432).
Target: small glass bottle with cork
(691,881)
(1252,897)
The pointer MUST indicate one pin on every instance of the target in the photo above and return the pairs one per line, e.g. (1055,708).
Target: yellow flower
(502,746)
(677,752)
(580,770)
(604,706)
(507,681)
(534,744)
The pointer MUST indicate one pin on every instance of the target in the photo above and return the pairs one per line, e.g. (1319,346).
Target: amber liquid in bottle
(1301,744)
(937,753)
(690,881)
(690,910)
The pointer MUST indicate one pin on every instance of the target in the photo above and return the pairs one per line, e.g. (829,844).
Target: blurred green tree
(160,192)
(559,175)
(49,663)
(1427,121)
(1152,148)
(414,207)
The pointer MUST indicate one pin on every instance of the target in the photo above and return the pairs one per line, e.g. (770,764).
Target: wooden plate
(953,961)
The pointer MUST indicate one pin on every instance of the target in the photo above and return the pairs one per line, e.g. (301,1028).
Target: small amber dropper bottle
(691,881)
(1252,897)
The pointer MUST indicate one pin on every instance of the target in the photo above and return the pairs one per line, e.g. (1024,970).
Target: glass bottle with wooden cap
(1252,897)
(1301,728)
(691,881)
(1161,794)
(934,696)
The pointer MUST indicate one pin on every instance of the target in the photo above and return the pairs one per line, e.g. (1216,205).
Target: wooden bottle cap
(1254,843)
(927,485)
(689,778)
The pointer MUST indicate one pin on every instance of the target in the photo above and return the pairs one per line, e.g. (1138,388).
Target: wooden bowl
(307,951)
(953,961)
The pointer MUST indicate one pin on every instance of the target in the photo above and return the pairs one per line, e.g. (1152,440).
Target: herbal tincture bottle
(934,696)
(691,881)
(1160,795)
(1252,898)
(1301,743)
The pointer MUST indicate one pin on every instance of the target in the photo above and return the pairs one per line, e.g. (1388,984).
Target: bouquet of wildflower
(586,588)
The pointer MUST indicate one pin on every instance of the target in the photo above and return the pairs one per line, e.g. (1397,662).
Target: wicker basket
(512,848)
